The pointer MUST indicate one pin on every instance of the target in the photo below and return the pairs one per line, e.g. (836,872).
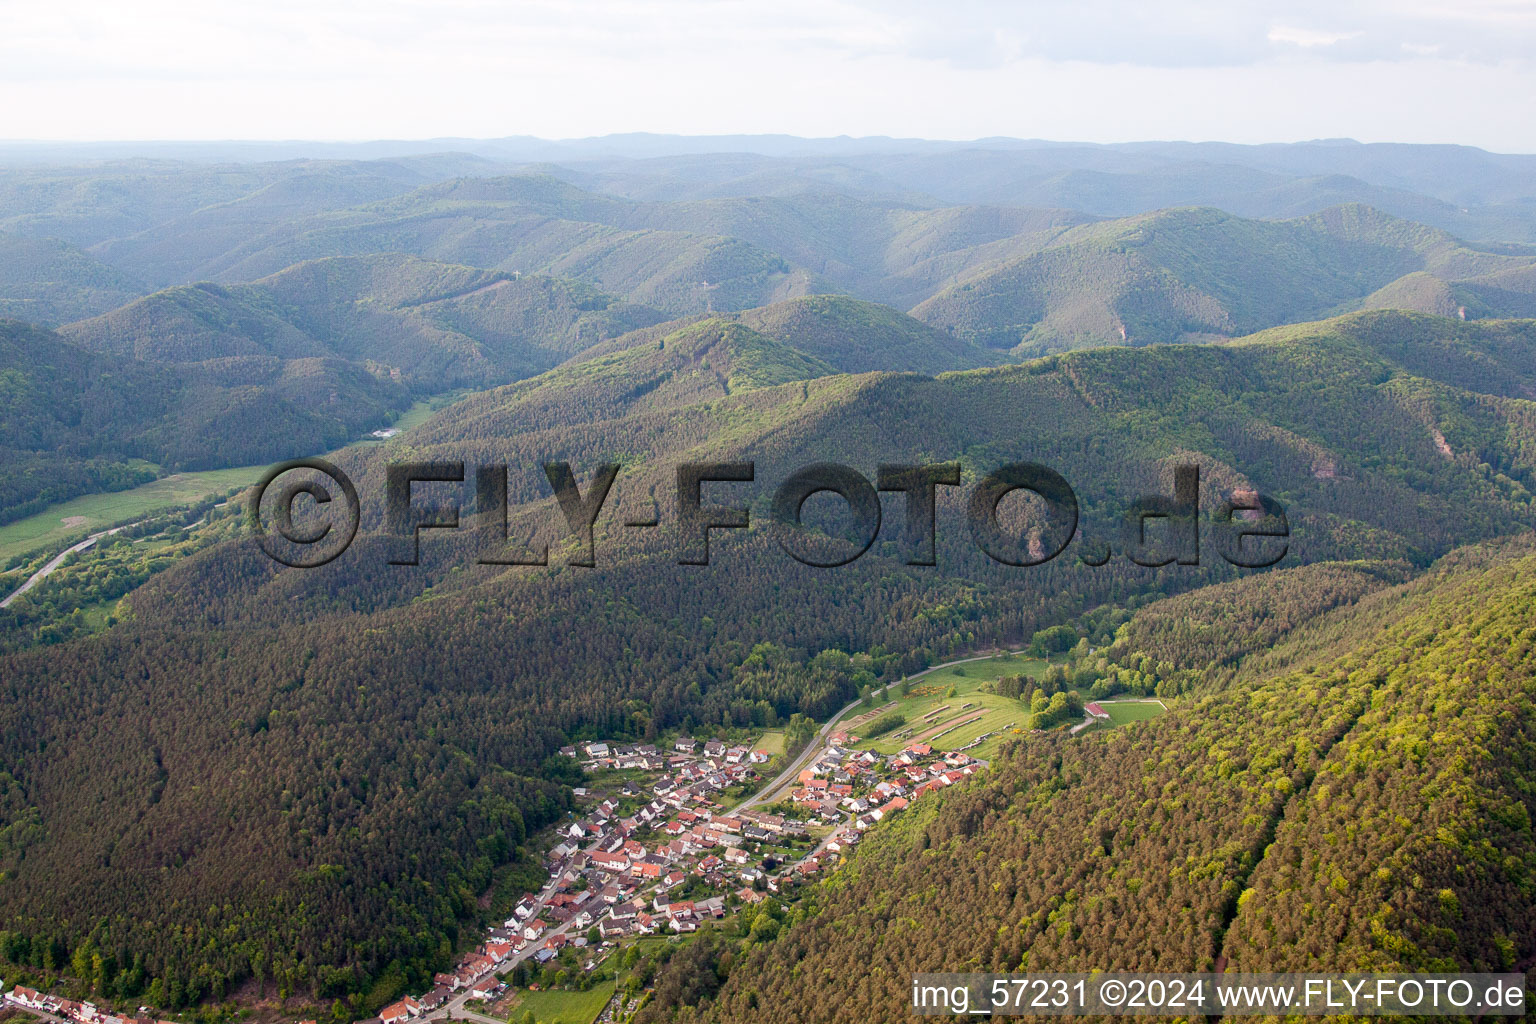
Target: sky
(1460,71)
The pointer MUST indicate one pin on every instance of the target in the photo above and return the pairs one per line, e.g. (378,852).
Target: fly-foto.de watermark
(1110,994)
(306,512)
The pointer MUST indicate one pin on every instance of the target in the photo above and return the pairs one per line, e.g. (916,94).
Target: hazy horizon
(642,144)
(168,69)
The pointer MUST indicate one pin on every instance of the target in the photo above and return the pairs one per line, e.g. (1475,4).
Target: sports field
(948,722)
(1123,712)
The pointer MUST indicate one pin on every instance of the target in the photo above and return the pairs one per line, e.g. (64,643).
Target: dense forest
(374,729)
(79,421)
(1356,798)
(220,774)
(274,311)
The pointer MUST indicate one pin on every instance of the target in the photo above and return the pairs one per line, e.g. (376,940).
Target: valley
(663,791)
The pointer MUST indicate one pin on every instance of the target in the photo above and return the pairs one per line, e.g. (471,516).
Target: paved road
(34,1011)
(44,572)
(457,1011)
(455,1007)
(47,570)
(814,748)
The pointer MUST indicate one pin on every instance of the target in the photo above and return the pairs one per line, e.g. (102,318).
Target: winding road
(57,561)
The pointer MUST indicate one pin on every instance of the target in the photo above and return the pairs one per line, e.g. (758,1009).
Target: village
(658,859)
(670,835)
(664,859)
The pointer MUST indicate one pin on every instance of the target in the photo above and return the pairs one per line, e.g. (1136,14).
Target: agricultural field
(944,721)
(89,513)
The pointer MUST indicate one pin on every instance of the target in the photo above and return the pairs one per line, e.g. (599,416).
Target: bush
(884,724)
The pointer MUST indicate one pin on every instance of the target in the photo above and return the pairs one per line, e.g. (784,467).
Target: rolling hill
(1033,277)
(1202,274)
(130,201)
(171,250)
(529,225)
(858,337)
(50,282)
(79,421)
(1353,801)
(1014,278)
(433,326)
(657,371)
(316,700)
(325,782)
(703,358)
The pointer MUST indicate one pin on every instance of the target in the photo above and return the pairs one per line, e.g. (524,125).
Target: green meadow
(559,1007)
(92,512)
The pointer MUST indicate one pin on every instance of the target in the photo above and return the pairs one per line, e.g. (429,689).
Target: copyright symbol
(1112,992)
(308,534)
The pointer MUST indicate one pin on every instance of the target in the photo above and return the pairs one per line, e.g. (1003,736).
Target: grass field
(648,944)
(956,725)
(1122,712)
(564,1007)
(771,741)
(422,411)
(93,511)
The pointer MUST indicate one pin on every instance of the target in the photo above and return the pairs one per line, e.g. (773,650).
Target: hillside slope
(50,282)
(859,337)
(1361,806)
(530,225)
(1201,274)
(78,421)
(434,326)
(366,739)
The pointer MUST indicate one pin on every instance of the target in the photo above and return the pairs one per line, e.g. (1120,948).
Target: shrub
(884,724)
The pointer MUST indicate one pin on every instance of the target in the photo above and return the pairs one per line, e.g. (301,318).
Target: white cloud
(1087,69)
(1307,37)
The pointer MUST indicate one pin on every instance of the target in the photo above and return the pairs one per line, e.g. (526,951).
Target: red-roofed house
(613,863)
(403,1010)
(25,996)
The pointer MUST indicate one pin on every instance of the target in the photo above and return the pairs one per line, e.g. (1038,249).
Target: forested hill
(993,251)
(325,779)
(434,326)
(316,773)
(1343,419)
(693,360)
(49,282)
(1358,799)
(206,376)
(858,337)
(1200,274)
(78,420)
